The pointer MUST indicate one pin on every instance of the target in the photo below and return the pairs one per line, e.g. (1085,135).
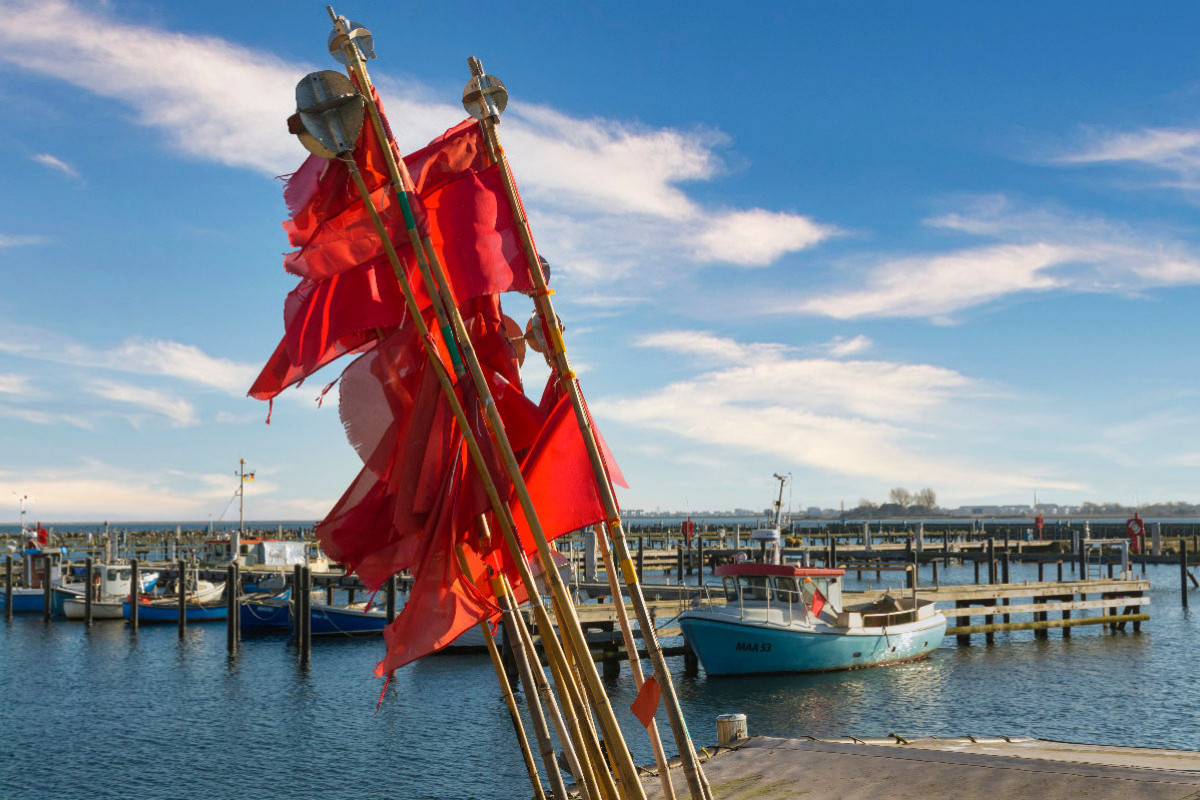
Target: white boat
(110,587)
(782,618)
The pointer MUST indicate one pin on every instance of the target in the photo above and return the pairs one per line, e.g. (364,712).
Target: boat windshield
(754,587)
(786,590)
(118,574)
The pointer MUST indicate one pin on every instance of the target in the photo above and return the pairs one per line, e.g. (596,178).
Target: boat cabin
(780,584)
(258,552)
(33,567)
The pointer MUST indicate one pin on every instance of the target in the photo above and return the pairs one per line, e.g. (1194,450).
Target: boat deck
(767,768)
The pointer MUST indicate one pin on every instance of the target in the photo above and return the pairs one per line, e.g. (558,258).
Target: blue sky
(868,244)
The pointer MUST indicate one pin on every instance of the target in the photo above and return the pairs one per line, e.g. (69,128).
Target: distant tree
(901,497)
(926,498)
(866,505)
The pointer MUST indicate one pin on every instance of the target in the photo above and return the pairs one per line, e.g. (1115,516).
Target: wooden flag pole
(635,662)
(500,508)
(573,633)
(510,699)
(488,116)
(532,674)
(456,407)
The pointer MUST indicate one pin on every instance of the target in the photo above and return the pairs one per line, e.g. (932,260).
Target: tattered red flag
(646,703)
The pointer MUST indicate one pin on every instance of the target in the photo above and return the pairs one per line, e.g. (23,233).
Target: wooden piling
(641,558)
(8,587)
(963,639)
(237,590)
(1041,577)
(306,617)
(937,581)
(135,589)
(991,558)
(47,589)
(297,628)
(679,562)
(329,593)
(1183,573)
(181,584)
(975,562)
(699,561)
(390,599)
(231,611)
(1005,565)
(89,590)
(910,575)
(1060,571)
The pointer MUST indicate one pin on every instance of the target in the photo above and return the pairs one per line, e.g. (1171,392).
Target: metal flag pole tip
(484,96)
(330,112)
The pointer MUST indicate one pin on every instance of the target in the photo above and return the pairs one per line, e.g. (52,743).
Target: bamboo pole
(510,701)
(635,662)
(427,259)
(506,688)
(697,783)
(501,509)
(442,375)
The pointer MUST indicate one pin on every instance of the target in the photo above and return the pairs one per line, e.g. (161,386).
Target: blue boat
(264,613)
(29,596)
(168,611)
(780,618)
(330,620)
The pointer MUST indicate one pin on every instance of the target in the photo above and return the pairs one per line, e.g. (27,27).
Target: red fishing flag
(818,600)
(646,702)
(43,535)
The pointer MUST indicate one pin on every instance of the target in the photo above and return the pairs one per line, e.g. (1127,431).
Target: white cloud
(1170,148)
(40,416)
(1039,250)
(180,412)
(756,237)
(841,347)
(134,356)
(55,163)
(18,240)
(15,384)
(607,193)
(866,419)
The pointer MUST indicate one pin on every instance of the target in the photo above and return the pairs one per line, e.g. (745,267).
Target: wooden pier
(900,768)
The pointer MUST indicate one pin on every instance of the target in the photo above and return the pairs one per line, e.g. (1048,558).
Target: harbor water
(101,713)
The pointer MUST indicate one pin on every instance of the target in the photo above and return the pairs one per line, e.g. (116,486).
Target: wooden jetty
(900,768)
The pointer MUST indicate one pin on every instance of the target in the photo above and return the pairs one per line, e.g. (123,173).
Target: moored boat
(781,618)
(167,610)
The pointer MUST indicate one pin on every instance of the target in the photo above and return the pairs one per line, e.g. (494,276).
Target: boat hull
(732,647)
(73,608)
(266,615)
(331,620)
(31,601)
(154,613)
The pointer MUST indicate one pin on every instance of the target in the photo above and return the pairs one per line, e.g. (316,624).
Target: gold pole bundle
(626,779)
(481,91)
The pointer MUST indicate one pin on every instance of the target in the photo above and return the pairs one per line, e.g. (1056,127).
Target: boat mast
(783,479)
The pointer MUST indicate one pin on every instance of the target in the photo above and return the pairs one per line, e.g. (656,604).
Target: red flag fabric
(348,294)
(43,535)
(818,602)
(646,702)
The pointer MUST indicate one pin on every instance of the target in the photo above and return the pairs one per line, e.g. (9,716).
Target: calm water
(103,714)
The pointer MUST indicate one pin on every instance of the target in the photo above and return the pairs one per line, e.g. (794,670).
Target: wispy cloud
(57,164)
(841,347)
(180,412)
(1176,149)
(133,356)
(15,384)
(1039,250)
(609,195)
(19,240)
(867,419)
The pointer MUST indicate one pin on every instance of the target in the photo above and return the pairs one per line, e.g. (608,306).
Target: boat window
(754,587)
(731,592)
(786,590)
(114,574)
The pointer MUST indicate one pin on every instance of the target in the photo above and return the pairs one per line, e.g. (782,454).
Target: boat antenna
(783,480)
